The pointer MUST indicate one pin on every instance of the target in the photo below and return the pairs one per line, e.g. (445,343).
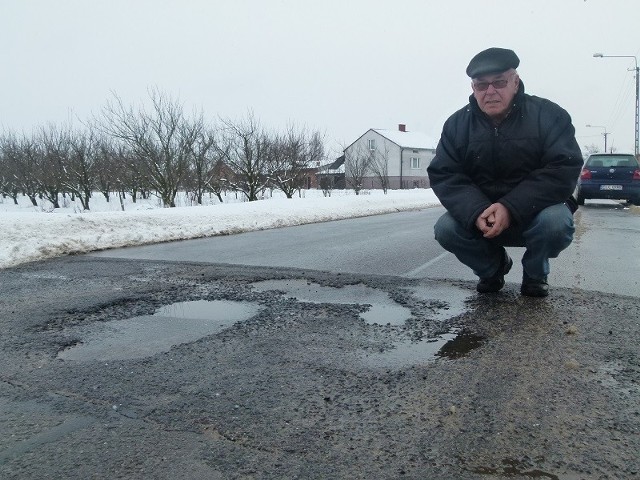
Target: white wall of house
(411,172)
(414,166)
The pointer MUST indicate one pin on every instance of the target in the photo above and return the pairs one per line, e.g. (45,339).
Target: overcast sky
(338,66)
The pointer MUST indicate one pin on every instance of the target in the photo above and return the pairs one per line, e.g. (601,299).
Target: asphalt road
(352,349)
(604,257)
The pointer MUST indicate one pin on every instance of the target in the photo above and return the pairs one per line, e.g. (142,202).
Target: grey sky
(339,66)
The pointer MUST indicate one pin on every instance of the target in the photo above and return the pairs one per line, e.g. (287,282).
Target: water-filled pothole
(383,309)
(453,345)
(514,468)
(147,335)
(460,345)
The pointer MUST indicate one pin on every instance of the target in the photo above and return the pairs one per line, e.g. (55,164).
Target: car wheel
(580,198)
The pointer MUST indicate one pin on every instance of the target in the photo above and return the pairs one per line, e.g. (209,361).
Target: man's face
(494,93)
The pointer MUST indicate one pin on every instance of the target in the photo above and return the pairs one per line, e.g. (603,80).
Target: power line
(622,102)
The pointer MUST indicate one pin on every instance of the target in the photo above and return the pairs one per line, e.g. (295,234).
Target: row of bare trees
(158,149)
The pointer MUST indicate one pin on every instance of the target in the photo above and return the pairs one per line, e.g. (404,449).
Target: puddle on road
(451,300)
(146,335)
(383,309)
(453,345)
(460,345)
(185,322)
(514,468)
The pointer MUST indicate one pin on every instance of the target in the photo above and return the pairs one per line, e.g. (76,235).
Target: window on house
(372,144)
(415,162)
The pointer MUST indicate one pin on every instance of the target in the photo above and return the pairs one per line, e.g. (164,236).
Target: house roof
(337,163)
(333,166)
(408,139)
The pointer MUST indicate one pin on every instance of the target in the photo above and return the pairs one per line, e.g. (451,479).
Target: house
(331,176)
(397,158)
(309,177)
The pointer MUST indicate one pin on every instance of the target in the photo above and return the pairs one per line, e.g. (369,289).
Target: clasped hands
(494,220)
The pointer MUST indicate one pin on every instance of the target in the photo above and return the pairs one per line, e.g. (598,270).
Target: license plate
(610,187)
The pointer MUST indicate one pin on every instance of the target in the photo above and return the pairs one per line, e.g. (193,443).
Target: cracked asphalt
(548,388)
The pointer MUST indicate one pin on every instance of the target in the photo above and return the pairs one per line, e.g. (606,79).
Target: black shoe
(496,282)
(534,287)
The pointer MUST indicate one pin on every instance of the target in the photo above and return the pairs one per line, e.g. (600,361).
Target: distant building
(309,177)
(331,176)
(400,156)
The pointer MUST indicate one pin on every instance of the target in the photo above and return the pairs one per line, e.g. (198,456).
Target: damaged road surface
(248,372)
(142,368)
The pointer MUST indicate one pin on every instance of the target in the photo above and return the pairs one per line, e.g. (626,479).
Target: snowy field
(29,233)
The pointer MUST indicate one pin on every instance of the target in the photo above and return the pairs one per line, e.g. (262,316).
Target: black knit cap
(492,60)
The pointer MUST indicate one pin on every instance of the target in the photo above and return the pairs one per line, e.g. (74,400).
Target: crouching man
(505,169)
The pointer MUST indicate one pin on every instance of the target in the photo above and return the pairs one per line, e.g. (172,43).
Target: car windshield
(612,161)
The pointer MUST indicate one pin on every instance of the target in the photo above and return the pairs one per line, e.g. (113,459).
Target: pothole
(450,302)
(382,311)
(514,468)
(460,345)
(146,335)
(453,345)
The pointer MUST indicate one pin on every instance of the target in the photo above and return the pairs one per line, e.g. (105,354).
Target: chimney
(402,127)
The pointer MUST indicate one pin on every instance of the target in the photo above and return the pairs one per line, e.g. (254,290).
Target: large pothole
(382,311)
(146,335)
(186,322)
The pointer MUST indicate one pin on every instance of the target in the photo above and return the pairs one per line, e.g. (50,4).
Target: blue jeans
(550,232)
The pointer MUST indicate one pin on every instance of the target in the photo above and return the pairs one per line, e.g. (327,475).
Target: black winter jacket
(529,162)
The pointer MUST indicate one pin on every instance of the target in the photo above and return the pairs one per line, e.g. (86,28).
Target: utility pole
(637,70)
(605,134)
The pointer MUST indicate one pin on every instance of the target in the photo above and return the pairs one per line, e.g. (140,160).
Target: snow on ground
(30,233)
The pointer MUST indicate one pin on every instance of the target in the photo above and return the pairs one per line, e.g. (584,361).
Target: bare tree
(129,173)
(30,155)
(162,137)
(106,167)
(136,179)
(220,178)
(293,156)
(590,149)
(357,161)
(380,166)
(9,154)
(56,147)
(18,163)
(80,166)
(245,151)
(327,184)
(204,157)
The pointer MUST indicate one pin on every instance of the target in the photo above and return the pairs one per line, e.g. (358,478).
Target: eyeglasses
(497,84)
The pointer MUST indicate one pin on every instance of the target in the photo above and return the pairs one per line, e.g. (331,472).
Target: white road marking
(414,273)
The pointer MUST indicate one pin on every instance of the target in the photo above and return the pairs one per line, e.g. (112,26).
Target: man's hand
(494,220)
